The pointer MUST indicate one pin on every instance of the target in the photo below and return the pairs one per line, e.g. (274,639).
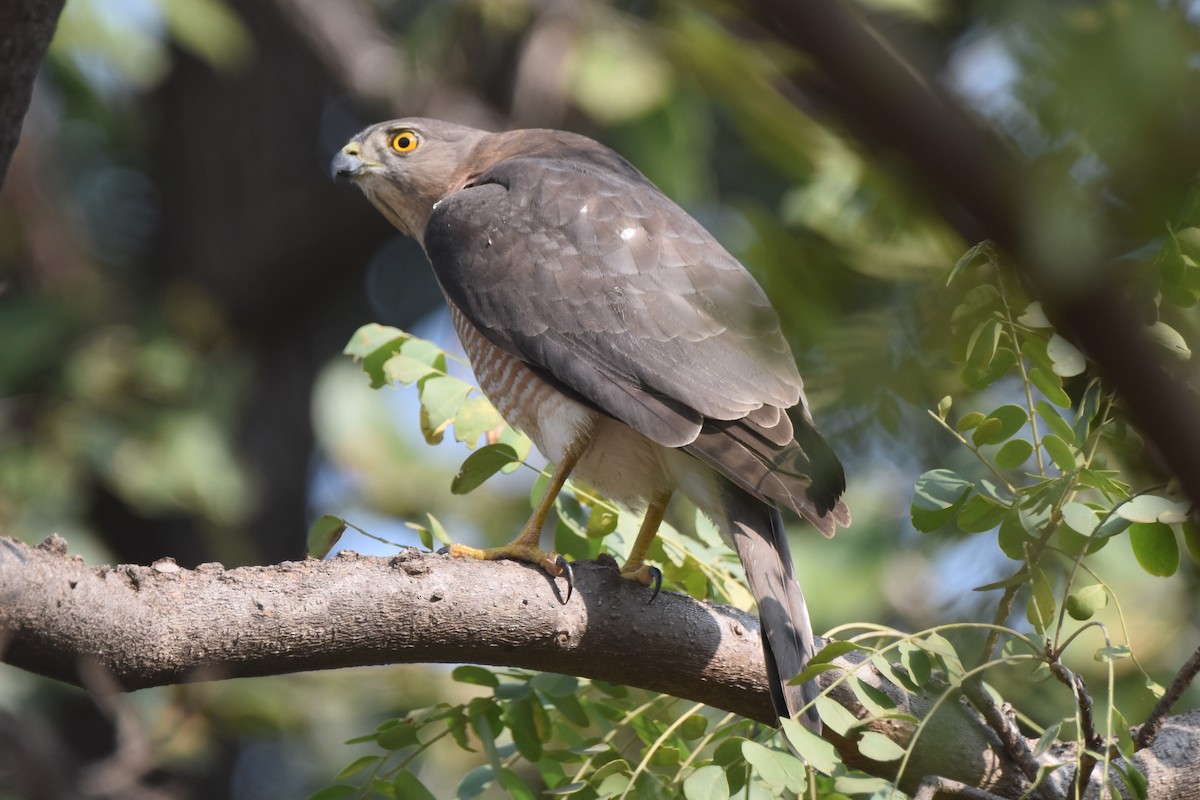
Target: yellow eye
(404,141)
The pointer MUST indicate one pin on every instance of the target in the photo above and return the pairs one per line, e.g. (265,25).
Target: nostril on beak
(346,164)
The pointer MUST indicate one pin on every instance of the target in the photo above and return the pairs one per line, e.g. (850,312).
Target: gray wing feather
(614,293)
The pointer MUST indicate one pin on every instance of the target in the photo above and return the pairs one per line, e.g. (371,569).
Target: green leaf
(969,420)
(985,339)
(602,520)
(943,406)
(1155,547)
(1010,418)
(356,766)
(980,514)
(875,701)
(441,397)
(1012,536)
(1060,453)
(334,792)
(1166,336)
(833,649)
(370,337)
(1191,538)
(571,709)
(878,747)
(1013,454)
(409,787)
(477,676)
(1114,653)
(706,783)
(1083,604)
(940,646)
(1080,518)
(481,465)
(553,684)
(777,770)
(1047,739)
(323,534)
(474,783)
(1152,508)
(836,717)
(515,785)
(1040,609)
(1089,407)
(519,719)
(1050,385)
(1034,316)
(398,736)
(693,727)
(1054,420)
(981,253)
(476,417)
(979,378)
(437,529)
(1068,361)
(916,662)
(819,753)
(936,499)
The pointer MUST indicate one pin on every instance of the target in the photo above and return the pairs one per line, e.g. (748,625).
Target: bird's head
(406,165)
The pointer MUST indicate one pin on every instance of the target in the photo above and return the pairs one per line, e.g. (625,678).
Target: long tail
(761,543)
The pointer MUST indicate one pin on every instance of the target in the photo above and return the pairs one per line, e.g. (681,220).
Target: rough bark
(25,32)
(161,624)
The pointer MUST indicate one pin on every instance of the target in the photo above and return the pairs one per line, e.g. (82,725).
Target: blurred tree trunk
(25,32)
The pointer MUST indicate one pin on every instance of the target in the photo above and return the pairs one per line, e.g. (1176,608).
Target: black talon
(441,551)
(656,577)
(565,566)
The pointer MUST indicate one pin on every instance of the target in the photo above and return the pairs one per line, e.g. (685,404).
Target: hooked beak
(347,165)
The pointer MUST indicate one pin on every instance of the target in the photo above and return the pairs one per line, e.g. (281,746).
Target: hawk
(610,327)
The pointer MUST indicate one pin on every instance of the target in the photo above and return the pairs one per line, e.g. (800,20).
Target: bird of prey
(610,327)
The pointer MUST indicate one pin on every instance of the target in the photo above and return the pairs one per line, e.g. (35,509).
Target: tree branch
(25,32)
(162,624)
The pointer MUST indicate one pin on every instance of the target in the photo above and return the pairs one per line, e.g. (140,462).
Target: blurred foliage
(120,379)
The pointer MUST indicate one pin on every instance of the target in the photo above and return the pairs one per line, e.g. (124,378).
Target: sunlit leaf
(777,770)
(478,676)
(1171,339)
(706,783)
(1068,361)
(819,753)
(878,747)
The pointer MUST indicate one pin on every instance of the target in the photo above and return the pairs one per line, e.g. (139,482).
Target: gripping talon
(656,580)
(565,566)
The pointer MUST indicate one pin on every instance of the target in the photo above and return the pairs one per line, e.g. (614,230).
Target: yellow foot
(553,563)
(644,574)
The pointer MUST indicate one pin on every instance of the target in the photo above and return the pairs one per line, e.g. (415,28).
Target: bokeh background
(178,277)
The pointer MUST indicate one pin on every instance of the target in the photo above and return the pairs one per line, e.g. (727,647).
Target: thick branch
(157,625)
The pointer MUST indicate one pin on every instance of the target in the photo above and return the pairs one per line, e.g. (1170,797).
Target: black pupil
(403,142)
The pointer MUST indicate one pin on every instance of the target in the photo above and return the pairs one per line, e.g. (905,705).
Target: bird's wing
(614,294)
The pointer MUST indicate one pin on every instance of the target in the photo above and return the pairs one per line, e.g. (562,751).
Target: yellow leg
(635,568)
(526,546)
